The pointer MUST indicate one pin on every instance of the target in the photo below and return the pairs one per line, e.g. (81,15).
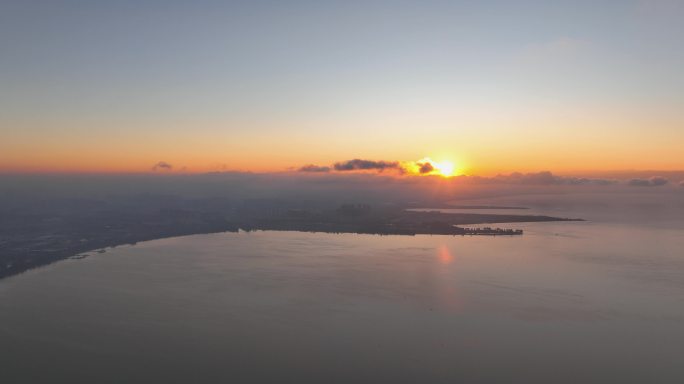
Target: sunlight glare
(444,168)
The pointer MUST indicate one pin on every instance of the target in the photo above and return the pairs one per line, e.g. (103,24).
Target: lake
(568,302)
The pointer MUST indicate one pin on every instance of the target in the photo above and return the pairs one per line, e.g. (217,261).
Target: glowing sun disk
(440,168)
(444,168)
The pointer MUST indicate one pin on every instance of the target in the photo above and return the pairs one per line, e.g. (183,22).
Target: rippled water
(573,302)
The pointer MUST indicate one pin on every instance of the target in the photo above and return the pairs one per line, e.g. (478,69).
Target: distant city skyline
(491,87)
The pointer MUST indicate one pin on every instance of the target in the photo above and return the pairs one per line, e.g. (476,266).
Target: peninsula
(43,232)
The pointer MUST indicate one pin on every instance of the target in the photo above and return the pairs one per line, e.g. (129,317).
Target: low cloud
(681,183)
(542,178)
(367,165)
(314,168)
(655,181)
(364,165)
(425,168)
(162,165)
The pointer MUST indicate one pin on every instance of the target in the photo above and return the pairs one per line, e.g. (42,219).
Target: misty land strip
(52,230)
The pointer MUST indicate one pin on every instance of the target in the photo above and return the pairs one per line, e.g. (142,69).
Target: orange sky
(574,145)
(565,87)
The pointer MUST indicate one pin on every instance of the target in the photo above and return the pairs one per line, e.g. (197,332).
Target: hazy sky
(495,86)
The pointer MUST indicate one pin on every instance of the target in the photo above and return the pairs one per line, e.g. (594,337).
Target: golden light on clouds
(428,167)
(444,168)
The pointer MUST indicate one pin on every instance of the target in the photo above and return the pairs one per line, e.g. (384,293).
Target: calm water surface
(577,302)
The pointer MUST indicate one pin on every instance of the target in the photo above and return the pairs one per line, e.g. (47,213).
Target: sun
(444,168)
(428,167)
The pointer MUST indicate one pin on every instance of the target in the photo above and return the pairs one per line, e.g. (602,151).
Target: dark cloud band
(655,181)
(365,165)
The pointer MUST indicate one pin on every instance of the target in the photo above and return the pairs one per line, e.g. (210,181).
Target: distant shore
(32,239)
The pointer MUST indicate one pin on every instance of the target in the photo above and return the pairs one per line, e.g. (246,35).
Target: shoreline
(48,248)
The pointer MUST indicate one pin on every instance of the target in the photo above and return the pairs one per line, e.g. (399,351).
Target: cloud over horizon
(314,168)
(367,165)
(654,181)
(426,167)
(162,165)
(547,178)
(364,165)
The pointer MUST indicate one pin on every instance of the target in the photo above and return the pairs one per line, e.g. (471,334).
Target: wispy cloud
(314,168)
(162,165)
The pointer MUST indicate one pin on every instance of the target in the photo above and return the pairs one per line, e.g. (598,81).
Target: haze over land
(45,218)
